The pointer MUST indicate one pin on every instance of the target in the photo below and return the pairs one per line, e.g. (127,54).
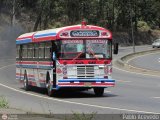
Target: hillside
(19,16)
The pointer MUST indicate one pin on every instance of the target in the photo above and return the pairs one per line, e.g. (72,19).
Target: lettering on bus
(97,41)
(84,33)
(72,41)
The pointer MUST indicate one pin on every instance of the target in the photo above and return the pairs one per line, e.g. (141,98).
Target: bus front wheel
(99,91)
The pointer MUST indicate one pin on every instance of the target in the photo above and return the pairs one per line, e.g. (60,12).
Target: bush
(143,26)
(3,102)
(56,25)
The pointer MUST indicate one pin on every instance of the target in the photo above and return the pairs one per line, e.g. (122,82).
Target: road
(133,93)
(152,62)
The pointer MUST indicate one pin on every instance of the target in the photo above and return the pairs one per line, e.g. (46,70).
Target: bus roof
(85,31)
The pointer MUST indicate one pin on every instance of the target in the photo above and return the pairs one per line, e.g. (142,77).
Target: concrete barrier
(123,63)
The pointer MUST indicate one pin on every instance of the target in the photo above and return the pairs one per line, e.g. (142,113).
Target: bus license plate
(87,84)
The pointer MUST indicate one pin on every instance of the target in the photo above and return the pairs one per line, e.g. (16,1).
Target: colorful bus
(76,57)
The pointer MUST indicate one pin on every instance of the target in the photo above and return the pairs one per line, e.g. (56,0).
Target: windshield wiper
(78,55)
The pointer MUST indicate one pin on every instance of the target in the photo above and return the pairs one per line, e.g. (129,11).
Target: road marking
(156,97)
(123,81)
(106,91)
(135,57)
(135,72)
(140,56)
(77,103)
(6,66)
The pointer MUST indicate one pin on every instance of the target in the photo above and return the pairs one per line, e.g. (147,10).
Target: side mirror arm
(115,50)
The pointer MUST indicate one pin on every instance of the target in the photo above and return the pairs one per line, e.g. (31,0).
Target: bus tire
(99,91)
(26,86)
(48,85)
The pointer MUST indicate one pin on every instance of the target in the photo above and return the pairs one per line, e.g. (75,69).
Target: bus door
(54,58)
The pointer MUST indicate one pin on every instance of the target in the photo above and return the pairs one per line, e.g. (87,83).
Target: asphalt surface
(133,93)
(149,61)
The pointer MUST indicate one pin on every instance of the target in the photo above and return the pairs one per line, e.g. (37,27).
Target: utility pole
(132,31)
(13,13)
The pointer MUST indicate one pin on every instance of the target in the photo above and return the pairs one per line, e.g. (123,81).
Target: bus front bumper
(86,83)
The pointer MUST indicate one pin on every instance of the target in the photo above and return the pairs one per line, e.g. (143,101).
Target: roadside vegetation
(3,102)
(120,16)
(82,116)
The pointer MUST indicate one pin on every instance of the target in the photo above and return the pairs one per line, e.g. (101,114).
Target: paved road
(133,93)
(150,61)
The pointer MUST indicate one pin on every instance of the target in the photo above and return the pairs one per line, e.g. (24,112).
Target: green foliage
(57,25)
(3,102)
(115,14)
(143,26)
(77,116)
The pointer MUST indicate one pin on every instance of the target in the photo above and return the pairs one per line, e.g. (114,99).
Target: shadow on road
(65,94)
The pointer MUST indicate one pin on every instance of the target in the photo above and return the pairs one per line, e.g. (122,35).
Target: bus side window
(30,51)
(24,51)
(35,51)
(41,50)
(48,50)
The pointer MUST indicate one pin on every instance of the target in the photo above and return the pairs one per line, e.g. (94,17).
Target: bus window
(35,55)
(24,51)
(80,47)
(48,50)
(41,50)
(71,48)
(96,48)
(30,51)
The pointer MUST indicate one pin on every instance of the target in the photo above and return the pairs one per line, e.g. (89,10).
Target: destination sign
(84,33)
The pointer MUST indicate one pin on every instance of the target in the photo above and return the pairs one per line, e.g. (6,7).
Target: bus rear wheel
(27,87)
(99,91)
(49,85)
(49,91)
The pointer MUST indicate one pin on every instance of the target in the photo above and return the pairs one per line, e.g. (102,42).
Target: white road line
(6,66)
(135,72)
(141,56)
(156,97)
(123,81)
(107,91)
(77,103)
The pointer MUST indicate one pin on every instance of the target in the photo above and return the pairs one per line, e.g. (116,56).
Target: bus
(71,57)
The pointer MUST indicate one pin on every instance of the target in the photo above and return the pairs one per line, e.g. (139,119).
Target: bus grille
(84,72)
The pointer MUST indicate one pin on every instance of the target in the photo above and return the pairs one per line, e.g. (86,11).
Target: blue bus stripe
(45,35)
(23,41)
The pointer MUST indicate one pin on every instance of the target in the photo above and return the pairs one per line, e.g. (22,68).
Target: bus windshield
(88,49)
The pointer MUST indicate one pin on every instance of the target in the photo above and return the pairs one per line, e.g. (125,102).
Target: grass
(3,102)
(82,116)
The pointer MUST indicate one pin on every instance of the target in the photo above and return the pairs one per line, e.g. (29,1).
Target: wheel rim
(49,89)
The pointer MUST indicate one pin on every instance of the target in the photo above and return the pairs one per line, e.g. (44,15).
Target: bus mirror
(115,50)
(54,56)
